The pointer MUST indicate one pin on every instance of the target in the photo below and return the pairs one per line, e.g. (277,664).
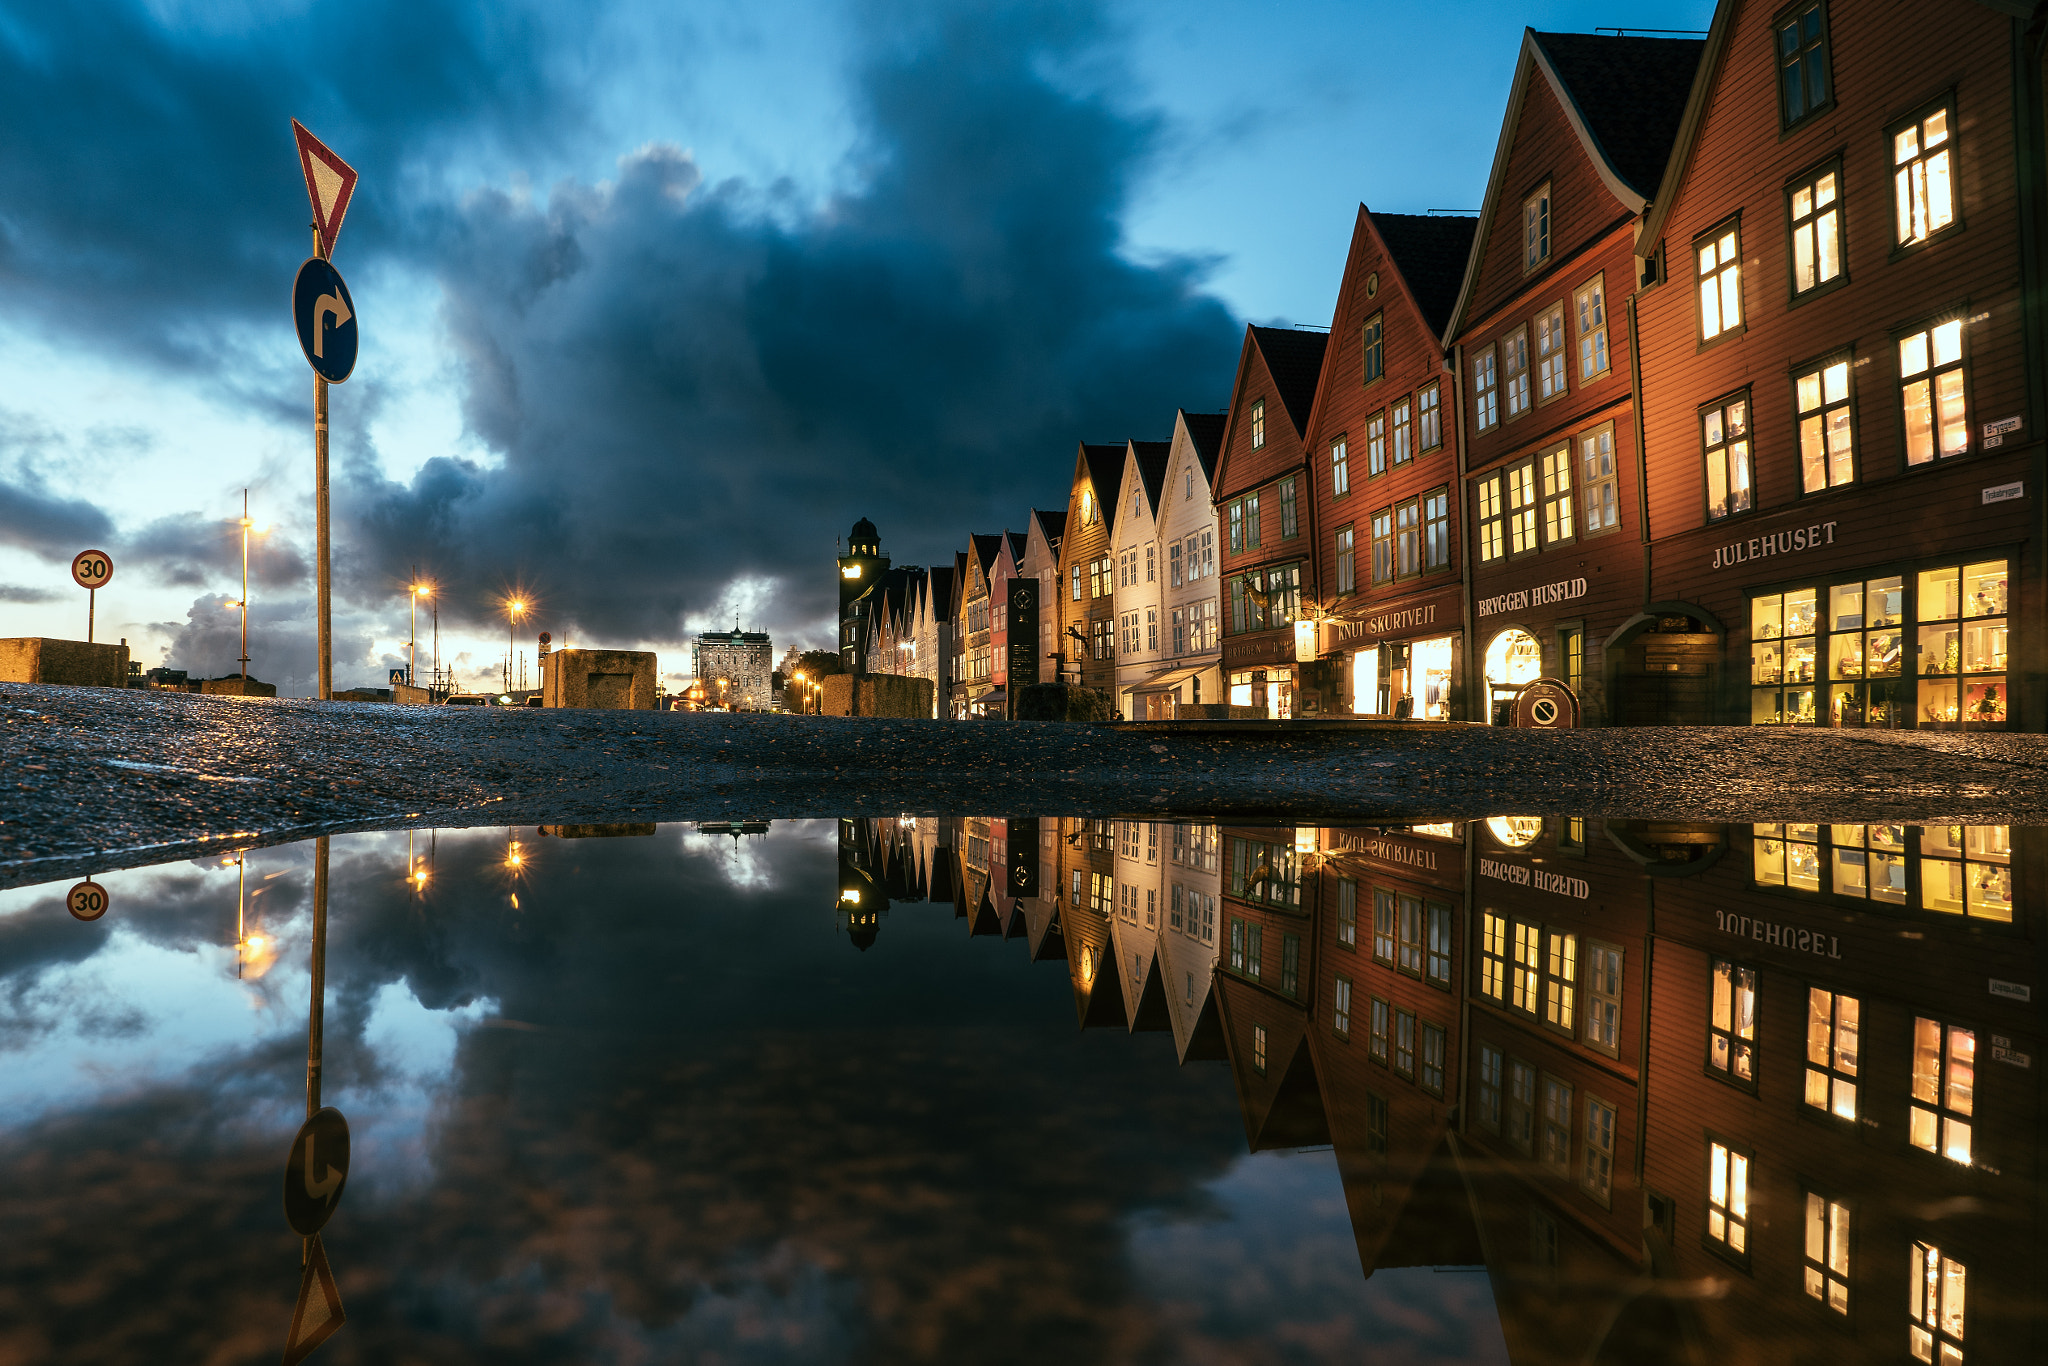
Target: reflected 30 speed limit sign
(87,901)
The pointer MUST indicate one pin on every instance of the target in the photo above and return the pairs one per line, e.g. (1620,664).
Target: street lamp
(245,589)
(423,590)
(515,608)
(799,679)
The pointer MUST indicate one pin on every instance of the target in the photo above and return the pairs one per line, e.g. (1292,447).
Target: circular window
(1372,284)
(1515,832)
(1513,658)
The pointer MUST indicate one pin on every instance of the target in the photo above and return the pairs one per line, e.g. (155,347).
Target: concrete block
(891,695)
(34,659)
(237,687)
(609,680)
(409,695)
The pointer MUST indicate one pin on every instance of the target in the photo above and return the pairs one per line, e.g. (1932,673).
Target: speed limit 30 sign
(87,901)
(92,568)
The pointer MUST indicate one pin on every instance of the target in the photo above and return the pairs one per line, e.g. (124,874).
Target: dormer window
(1259,424)
(1536,228)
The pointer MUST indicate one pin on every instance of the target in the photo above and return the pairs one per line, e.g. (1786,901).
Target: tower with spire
(859,567)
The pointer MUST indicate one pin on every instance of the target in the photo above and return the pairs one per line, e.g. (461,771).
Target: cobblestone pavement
(99,778)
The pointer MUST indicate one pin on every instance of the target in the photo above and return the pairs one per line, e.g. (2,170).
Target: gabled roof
(1105,471)
(1018,541)
(986,548)
(1152,457)
(938,596)
(1051,524)
(1430,251)
(957,584)
(1205,434)
(1624,98)
(1294,358)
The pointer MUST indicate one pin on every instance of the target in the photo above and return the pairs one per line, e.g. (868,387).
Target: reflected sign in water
(1524,1090)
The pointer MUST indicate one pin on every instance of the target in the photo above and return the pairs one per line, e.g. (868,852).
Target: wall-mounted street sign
(87,901)
(330,184)
(326,318)
(315,1171)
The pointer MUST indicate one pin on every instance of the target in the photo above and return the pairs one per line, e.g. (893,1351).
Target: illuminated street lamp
(244,603)
(423,590)
(799,680)
(515,608)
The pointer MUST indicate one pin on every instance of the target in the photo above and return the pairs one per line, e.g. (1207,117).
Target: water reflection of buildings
(1688,1091)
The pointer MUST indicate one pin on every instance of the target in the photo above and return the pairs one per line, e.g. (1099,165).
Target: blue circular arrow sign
(315,1171)
(326,319)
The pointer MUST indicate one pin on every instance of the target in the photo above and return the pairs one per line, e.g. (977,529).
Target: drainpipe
(1477,704)
(1635,397)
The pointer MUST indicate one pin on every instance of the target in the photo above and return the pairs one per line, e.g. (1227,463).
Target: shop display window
(1788,856)
(1870,862)
(1960,870)
(1887,659)
(1967,870)
(1514,658)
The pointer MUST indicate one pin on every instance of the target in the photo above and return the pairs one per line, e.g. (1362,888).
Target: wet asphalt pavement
(104,778)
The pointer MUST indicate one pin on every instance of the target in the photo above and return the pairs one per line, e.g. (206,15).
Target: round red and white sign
(92,568)
(87,901)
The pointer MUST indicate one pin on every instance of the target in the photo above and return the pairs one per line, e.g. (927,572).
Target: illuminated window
(1493,956)
(1603,998)
(1492,520)
(1931,397)
(1372,344)
(1486,390)
(1870,862)
(1728,1198)
(1827,1251)
(1347,913)
(1833,1025)
(1342,1021)
(1556,466)
(1719,255)
(1589,307)
(1551,348)
(1967,870)
(1526,969)
(1935,1303)
(1429,418)
(1340,468)
(1259,1047)
(1258,424)
(1923,180)
(1731,1041)
(1827,444)
(1816,215)
(1724,435)
(1561,981)
(1944,1089)
(1521,481)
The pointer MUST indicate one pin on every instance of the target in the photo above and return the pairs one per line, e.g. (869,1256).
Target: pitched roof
(939,591)
(1294,358)
(1051,524)
(1430,250)
(1205,434)
(1105,471)
(1018,541)
(1630,93)
(986,548)
(1152,457)
(957,584)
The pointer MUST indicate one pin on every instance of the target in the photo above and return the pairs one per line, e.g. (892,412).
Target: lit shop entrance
(1270,691)
(1514,659)
(1408,678)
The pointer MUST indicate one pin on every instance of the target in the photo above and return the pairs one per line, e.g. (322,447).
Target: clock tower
(859,567)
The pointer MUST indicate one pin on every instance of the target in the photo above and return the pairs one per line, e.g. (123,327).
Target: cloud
(692,384)
(45,524)
(14,592)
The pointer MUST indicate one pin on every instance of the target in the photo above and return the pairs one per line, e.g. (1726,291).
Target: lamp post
(515,608)
(799,679)
(245,586)
(422,590)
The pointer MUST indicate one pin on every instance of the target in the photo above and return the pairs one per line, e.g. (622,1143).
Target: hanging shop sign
(1522,599)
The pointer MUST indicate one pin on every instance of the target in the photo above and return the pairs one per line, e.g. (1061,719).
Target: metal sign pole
(92,596)
(314,1016)
(326,603)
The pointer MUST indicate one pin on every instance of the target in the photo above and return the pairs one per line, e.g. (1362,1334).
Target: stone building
(743,661)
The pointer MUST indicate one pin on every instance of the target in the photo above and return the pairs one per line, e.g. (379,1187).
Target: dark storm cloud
(691,384)
(188,550)
(14,592)
(51,526)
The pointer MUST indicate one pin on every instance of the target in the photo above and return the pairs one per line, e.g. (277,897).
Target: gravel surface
(105,778)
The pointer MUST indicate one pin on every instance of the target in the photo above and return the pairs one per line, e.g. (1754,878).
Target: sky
(657,299)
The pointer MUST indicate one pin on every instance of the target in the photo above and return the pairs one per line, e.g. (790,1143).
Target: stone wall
(1064,702)
(237,687)
(34,659)
(891,695)
(609,680)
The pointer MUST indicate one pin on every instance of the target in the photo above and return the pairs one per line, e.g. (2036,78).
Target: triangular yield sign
(330,182)
(319,1315)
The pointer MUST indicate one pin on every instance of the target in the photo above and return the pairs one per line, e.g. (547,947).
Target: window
(1596,1173)
(1236,943)
(1492,520)
(1404,1044)
(1485,390)
(1832,1025)
(1258,424)
(1526,969)
(1251,521)
(1176,907)
(1436,530)
(1727,1199)
(1963,640)
(1489,1087)
(1152,629)
(1237,526)
(1557,1124)
(1493,956)
(1378,1037)
(1827,1251)
(1410,920)
(1802,61)
(1931,374)
(1731,1042)
(1870,862)
(1521,1117)
(1935,1301)
(1376,444)
(1515,363)
(1101,582)
(1077,583)
(1944,1089)
(1374,349)
(1827,456)
(1347,913)
(1603,998)
(1404,432)
(1187,491)
(1724,434)
(1589,310)
(1967,870)
(1342,1021)
(1558,524)
(1173,565)
(1437,964)
(1429,418)
(1408,539)
(1383,926)
(1599,483)
(1720,261)
(1290,523)
(1923,185)
(1432,1079)
(1383,546)
(1561,981)
(1347,571)
(1259,1048)
(1521,480)
(1340,468)
(1103,640)
(1290,965)
(1550,353)
(1814,204)
(1087,508)
(1536,228)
